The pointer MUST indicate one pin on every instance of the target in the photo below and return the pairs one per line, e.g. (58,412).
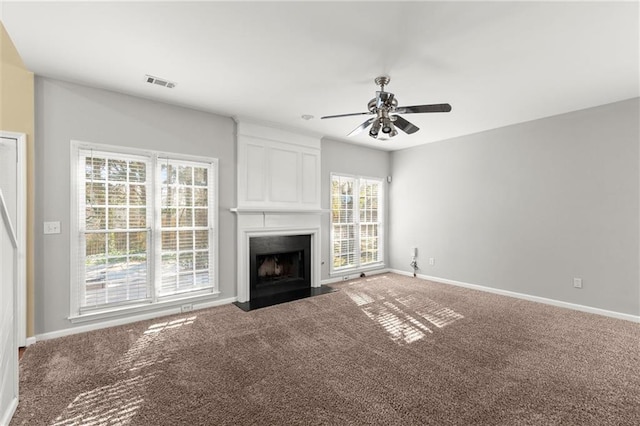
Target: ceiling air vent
(159,81)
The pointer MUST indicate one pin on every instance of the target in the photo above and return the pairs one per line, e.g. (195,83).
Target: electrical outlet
(52,227)
(577,282)
(432,261)
(186,308)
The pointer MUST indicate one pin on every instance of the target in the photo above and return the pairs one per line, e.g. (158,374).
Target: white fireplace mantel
(278,192)
(246,233)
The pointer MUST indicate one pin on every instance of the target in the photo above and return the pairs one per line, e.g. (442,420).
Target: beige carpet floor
(383,350)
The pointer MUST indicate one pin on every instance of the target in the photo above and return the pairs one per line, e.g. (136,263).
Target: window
(145,230)
(186,249)
(356,222)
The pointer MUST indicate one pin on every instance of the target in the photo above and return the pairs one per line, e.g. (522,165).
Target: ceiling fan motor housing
(383,100)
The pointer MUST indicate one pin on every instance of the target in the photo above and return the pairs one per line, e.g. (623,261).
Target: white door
(8,338)
(13,177)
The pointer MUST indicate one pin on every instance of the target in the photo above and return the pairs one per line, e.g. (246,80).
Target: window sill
(130,310)
(350,271)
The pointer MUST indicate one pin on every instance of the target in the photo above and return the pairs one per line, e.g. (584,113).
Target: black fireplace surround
(279,271)
(279,264)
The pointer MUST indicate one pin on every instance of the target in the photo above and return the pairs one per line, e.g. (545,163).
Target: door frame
(21,234)
(7,411)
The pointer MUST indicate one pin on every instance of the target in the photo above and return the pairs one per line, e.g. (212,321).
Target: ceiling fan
(385,108)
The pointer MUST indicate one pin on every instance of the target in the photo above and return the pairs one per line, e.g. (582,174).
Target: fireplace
(279,215)
(279,264)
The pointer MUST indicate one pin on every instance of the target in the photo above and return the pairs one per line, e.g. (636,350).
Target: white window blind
(369,196)
(114,229)
(356,221)
(343,221)
(186,237)
(145,226)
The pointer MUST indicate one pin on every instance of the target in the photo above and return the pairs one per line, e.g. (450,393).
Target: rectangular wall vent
(160,81)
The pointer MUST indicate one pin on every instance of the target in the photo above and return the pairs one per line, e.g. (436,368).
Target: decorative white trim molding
(130,319)
(278,170)
(30,340)
(553,302)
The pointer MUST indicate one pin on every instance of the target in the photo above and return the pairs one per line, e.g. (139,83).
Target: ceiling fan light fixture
(375,128)
(387,125)
(390,130)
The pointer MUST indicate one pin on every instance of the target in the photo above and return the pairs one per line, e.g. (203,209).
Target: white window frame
(358,267)
(154,248)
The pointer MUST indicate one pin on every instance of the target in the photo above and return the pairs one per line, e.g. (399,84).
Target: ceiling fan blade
(423,108)
(361,127)
(345,115)
(405,126)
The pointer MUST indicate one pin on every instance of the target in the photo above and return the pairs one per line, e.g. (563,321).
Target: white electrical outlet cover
(51,227)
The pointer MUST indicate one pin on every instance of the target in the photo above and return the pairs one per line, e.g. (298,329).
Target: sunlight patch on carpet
(432,311)
(360,298)
(401,330)
(141,354)
(404,317)
(116,404)
(107,405)
(156,328)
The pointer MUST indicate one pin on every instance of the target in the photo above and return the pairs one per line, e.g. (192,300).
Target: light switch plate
(52,227)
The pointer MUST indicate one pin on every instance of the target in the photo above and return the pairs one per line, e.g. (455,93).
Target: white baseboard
(559,303)
(352,275)
(5,417)
(129,319)
(30,340)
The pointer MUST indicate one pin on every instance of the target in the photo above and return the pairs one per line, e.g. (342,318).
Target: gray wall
(67,111)
(350,159)
(523,208)
(528,207)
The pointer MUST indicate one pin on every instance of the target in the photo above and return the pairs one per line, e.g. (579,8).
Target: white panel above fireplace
(283,171)
(255,170)
(277,169)
(310,178)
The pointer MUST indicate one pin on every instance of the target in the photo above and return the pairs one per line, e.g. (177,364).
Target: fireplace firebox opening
(279,264)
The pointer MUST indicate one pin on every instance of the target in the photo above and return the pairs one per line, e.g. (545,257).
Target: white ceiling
(496,63)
